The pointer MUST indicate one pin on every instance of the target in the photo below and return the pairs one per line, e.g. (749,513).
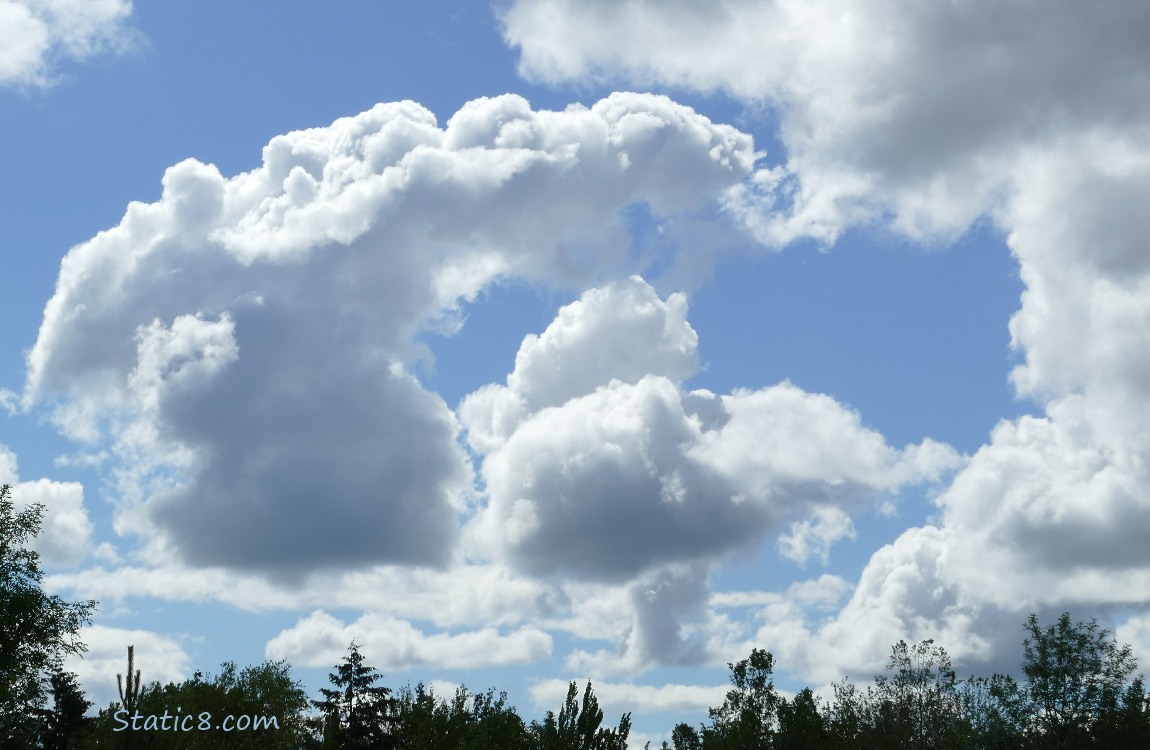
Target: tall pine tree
(357,715)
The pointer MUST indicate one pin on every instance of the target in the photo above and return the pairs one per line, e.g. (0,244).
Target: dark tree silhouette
(66,716)
(748,717)
(357,715)
(1078,683)
(578,728)
(36,630)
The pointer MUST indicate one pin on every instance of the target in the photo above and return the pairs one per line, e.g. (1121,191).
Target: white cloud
(388,643)
(604,468)
(814,537)
(241,345)
(918,110)
(926,117)
(1050,514)
(455,598)
(654,621)
(36,34)
(621,331)
(65,530)
(616,697)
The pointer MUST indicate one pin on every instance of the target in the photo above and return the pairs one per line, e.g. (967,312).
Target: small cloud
(813,537)
(35,36)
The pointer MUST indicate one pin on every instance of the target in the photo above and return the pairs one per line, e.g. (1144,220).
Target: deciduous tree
(578,727)
(1077,680)
(36,630)
(747,718)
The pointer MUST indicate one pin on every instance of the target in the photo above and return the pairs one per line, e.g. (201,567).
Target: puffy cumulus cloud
(621,331)
(824,629)
(1051,513)
(912,108)
(604,469)
(929,115)
(65,533)
(1079,233)
(388,643)
(34,34)
(158,657)
(241,345)
(610,476)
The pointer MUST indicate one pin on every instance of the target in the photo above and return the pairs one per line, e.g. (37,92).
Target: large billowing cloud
(598,464)
(929,116)
(243,343)
(600,467)
(912,108)
(34,34)
(1051,514)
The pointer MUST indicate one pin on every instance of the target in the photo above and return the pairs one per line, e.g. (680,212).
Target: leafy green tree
(686,737)
(469,721)
(357,714)
(36,630)
(802,725)
(747,718)
(683,737)
(427,722)
(266,691)
(917,705)
(990,726)
(1125,725)
(496,724)
(578,728)
(1078,683)
(846,716)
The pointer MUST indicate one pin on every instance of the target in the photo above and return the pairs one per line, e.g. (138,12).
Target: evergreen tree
(66,717)
(357,715)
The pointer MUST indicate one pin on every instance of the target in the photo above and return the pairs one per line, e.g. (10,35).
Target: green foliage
(918,706)
(467,722)
(802,725)
(578,728)
(36,630)
(1078,687)
(66,717)
(267,690)
(686,737)
(357,714)
(747,718)
(129,695)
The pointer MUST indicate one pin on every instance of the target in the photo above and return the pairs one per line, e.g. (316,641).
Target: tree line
(1078,691)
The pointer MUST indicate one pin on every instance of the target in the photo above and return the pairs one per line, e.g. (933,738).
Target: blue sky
(641,335)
